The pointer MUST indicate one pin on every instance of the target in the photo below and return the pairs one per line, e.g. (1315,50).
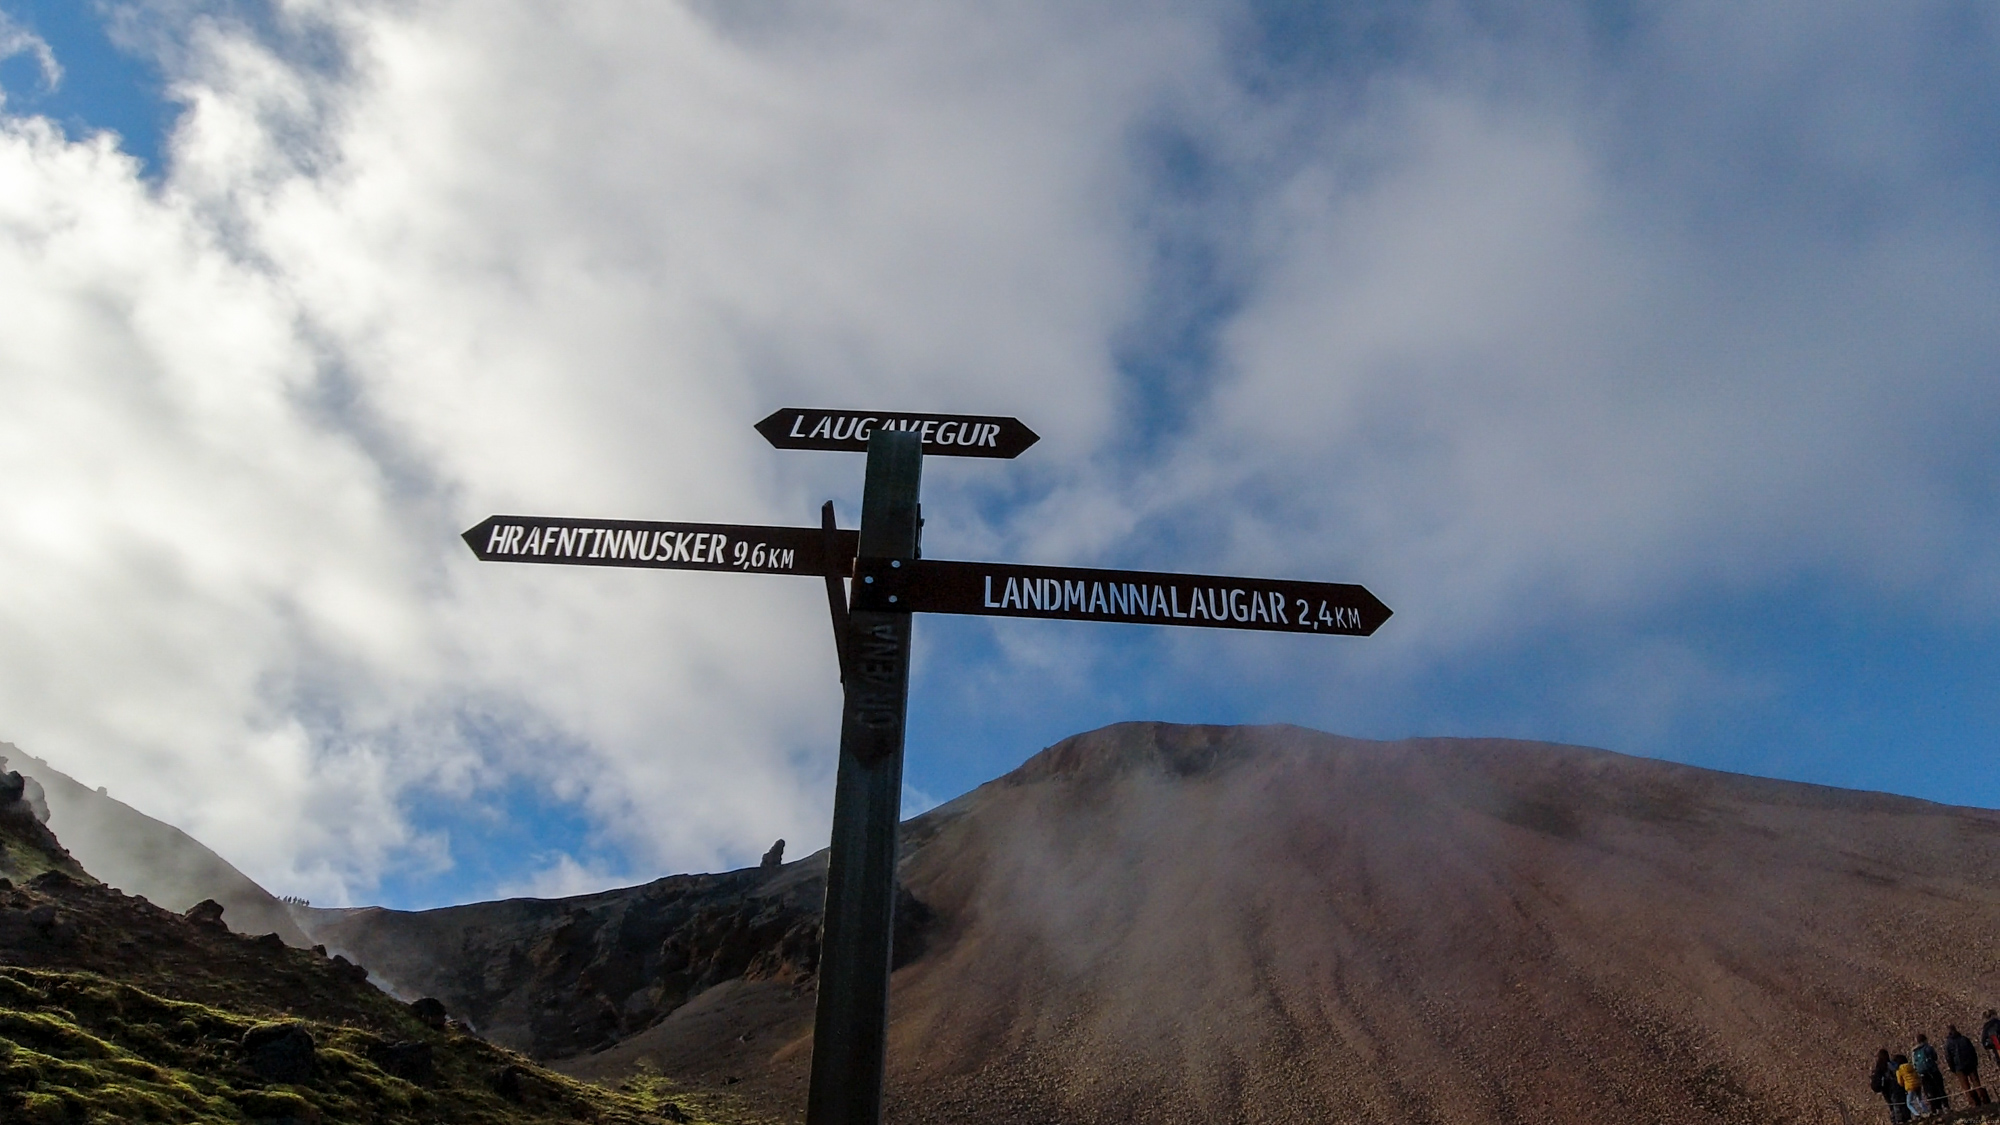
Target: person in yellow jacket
(1913,1087)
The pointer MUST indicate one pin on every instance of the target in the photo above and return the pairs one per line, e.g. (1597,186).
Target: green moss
(27,850)
(675,1102)
(42,1109)
(75,1047)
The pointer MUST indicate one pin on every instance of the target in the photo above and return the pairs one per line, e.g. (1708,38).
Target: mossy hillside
(76,1047)
(28,848)
(21,861)
(57,923)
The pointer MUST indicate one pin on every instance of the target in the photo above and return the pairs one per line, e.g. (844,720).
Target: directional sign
(871,622)
(665,546)
(1079,594)
(943,435)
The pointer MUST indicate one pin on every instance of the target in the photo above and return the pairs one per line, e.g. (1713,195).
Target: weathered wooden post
(851,1024)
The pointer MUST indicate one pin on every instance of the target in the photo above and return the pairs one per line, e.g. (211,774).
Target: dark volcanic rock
(431,1011)
(279,1052)
(524,1087)
(555,977)
(410,1060)
(207,912)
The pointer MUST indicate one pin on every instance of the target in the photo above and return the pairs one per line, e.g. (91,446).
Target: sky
(1643,357)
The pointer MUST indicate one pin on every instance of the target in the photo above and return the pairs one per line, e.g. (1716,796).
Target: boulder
(207,912)
(410,1061)
(279,1052)
(524,1087)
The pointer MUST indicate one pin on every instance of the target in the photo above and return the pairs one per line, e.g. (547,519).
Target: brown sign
(1142,597)
(665,546)
(943,435)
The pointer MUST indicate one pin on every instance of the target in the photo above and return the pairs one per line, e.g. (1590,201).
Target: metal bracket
(836,596)
(879,585)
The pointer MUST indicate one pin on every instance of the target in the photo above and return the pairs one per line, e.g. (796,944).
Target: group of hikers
(1913,1084)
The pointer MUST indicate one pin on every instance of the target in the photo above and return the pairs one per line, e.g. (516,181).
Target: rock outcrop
(27,847)
(555,977)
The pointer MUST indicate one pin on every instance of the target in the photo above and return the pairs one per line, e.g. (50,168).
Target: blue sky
(1642,358)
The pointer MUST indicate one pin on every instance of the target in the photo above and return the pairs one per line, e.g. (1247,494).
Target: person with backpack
(1912,1083)
(1963,1059)
(1884,1082)
(1990,1035)
(1924,1058)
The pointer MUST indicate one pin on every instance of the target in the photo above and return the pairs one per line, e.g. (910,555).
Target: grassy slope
(77,1047)
(114,1010)
(28,848)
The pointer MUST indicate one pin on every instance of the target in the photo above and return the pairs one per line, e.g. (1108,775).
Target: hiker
(1913,1088)
(1884,1082)
(1963,1059)
(1924,1058)
(1990,1035)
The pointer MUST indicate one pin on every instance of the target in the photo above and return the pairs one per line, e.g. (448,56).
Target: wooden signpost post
(890,580)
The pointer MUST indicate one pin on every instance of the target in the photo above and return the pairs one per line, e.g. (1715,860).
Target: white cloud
(520,259)
(18,40)
(562,877)
(1488,347)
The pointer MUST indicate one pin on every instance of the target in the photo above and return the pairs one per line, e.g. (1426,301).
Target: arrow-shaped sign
(943,435)
(1144,597)
(666,546)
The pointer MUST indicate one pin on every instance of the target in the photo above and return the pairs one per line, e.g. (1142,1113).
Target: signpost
(890,581)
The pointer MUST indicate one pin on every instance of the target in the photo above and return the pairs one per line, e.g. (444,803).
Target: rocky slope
(1276,925)
(113,1009)
(557,977)
(143,856)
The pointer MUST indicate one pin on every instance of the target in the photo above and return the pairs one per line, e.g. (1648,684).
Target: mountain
(1269,924)
(142,856)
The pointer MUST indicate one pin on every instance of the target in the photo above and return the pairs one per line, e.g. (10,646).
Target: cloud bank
(1508,313)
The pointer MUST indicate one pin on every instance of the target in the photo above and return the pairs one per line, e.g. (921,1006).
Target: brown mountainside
(1273,924)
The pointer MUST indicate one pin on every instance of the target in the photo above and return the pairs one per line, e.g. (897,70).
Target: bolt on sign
(876,578)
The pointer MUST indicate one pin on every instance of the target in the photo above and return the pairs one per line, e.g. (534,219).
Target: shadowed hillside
(142,856)
(113,1009)
(1272,924)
